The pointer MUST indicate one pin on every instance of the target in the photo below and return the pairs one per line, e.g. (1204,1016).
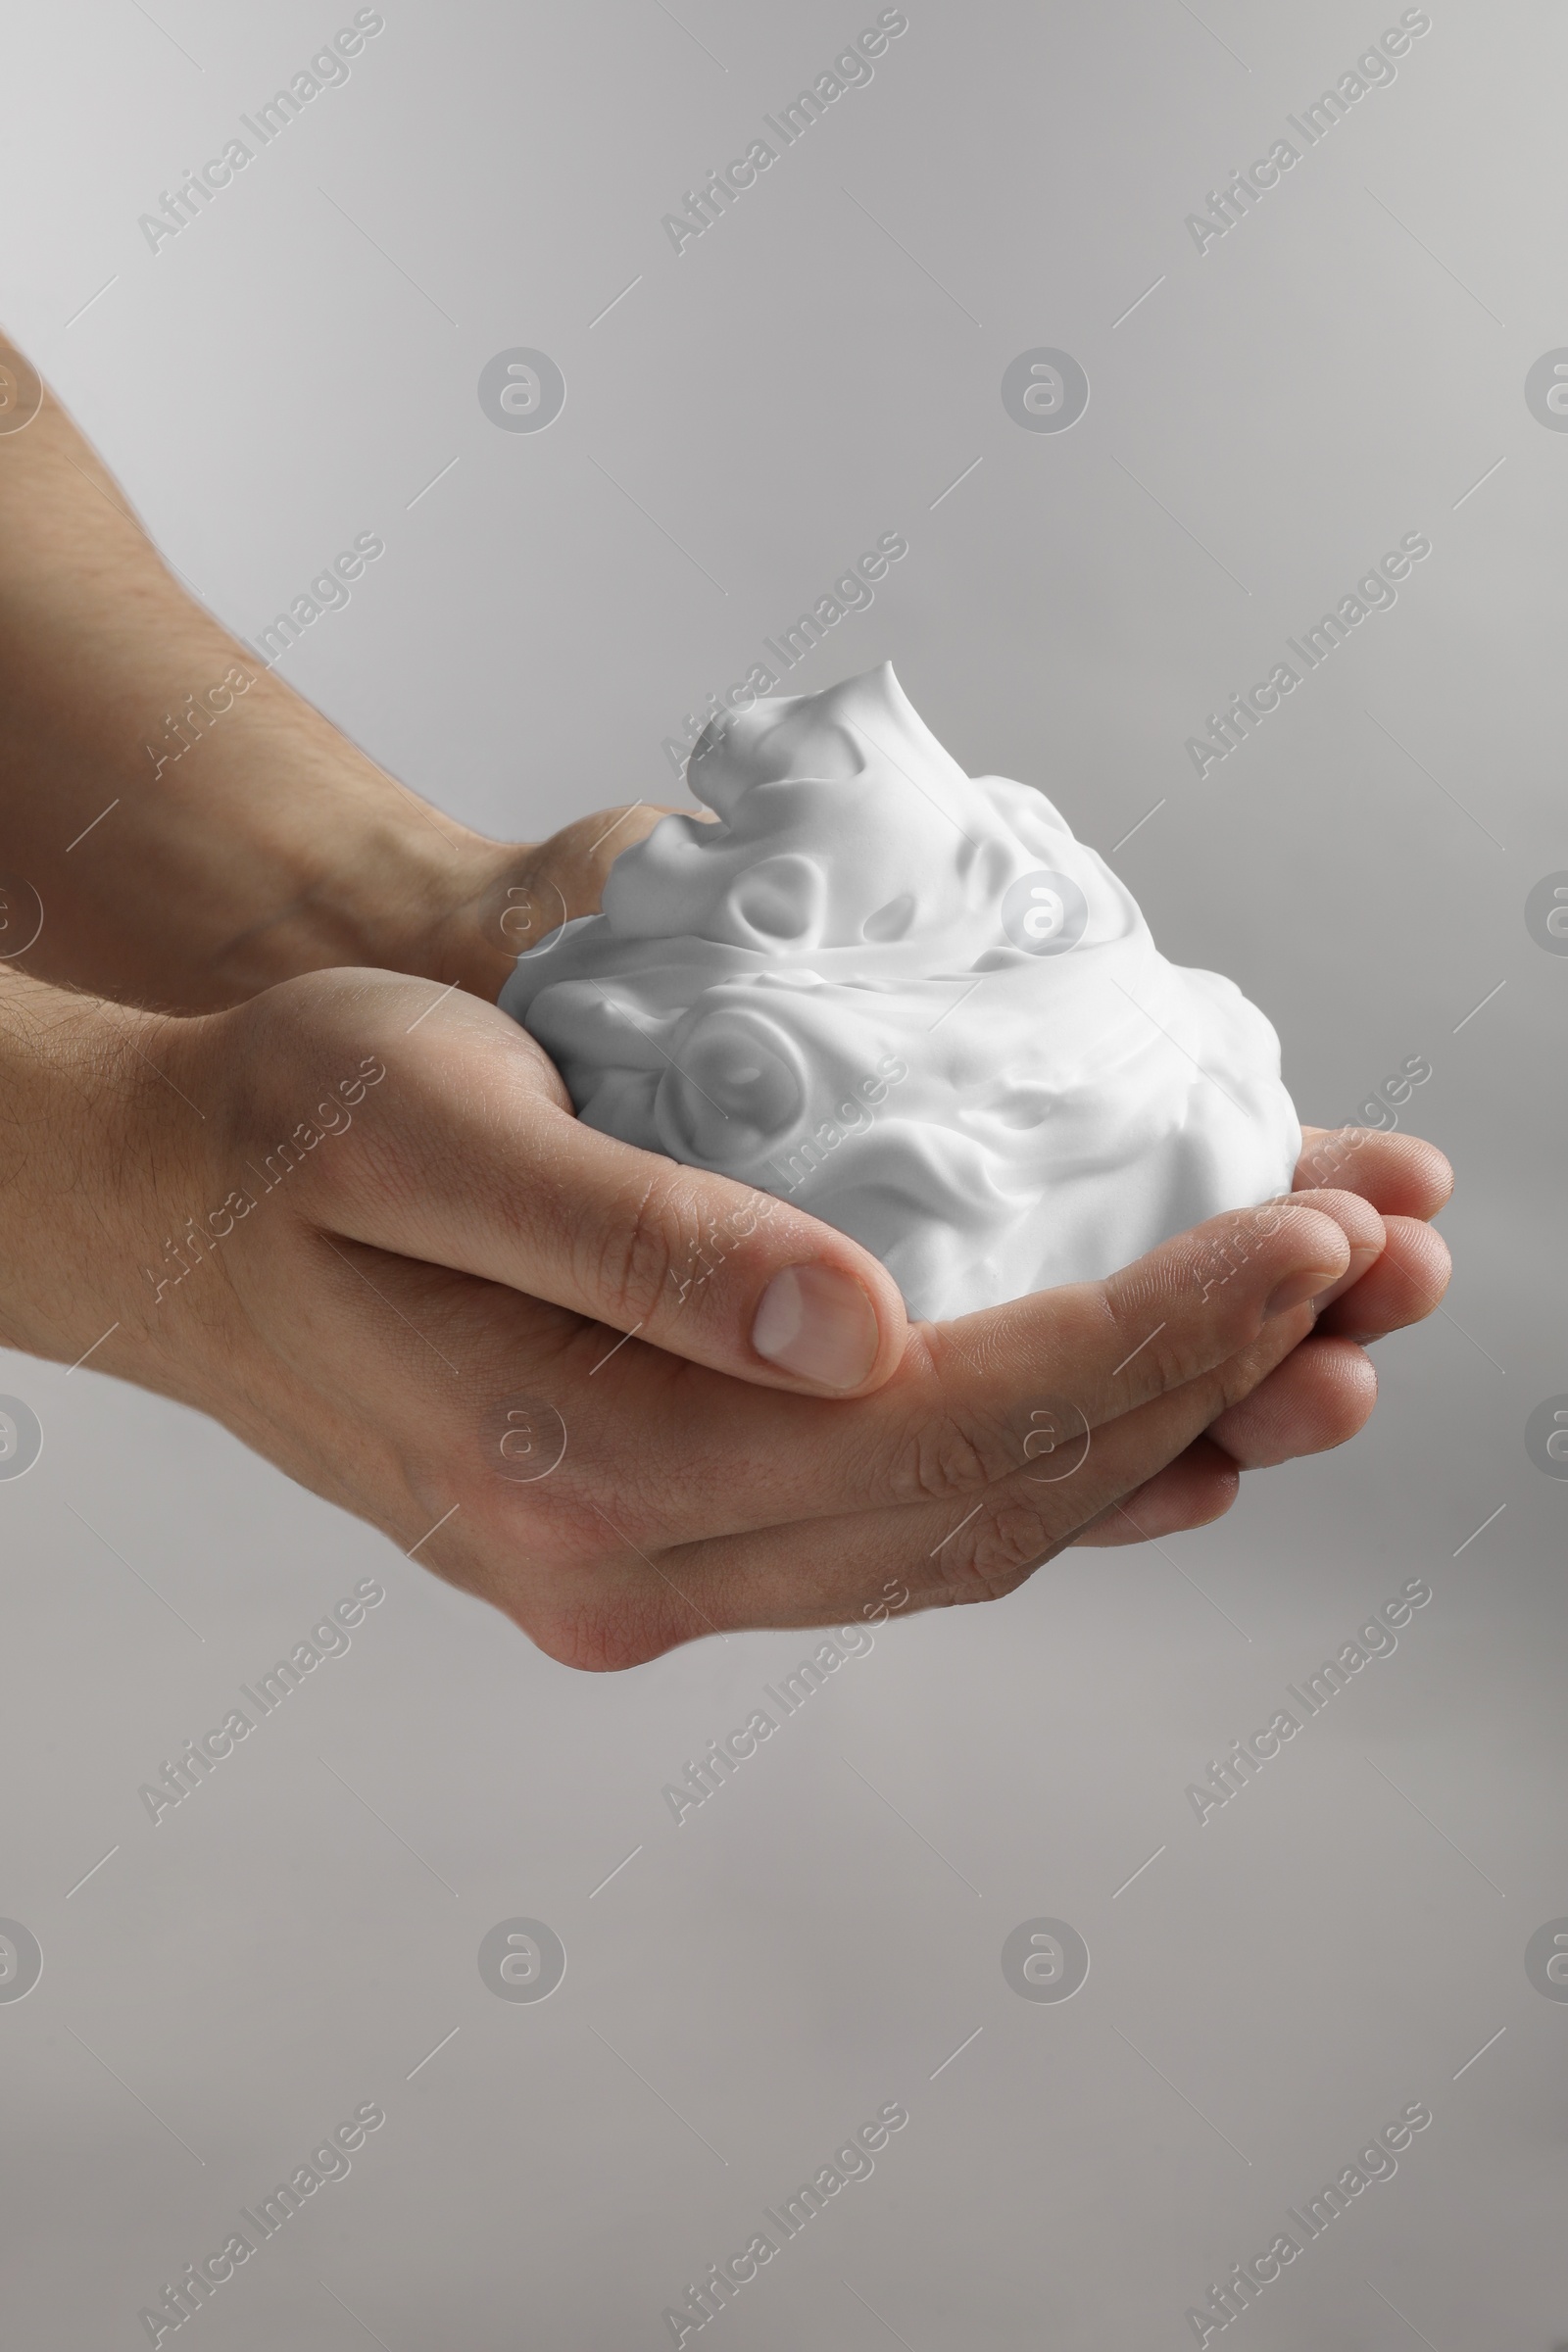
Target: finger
(476,1162)
(1362,1221)
(1197,1487)
(658,1455)
(1406,1283)
(972,1401)
(1401,1175)
(825,1570)
(1177,1314)
(572,864)
(1318,1398)
(531,889)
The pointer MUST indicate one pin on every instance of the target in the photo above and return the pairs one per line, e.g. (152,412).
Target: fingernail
(819,1324)
(1296,1289)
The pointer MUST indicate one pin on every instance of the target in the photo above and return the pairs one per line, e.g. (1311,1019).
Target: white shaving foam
(909,1002)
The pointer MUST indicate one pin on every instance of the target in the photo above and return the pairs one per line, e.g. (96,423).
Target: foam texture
(909,1002)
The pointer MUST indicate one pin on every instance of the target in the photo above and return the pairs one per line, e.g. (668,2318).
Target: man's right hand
(356,1220)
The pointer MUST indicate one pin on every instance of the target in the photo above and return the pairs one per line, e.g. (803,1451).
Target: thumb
(570,868)
(475,1160)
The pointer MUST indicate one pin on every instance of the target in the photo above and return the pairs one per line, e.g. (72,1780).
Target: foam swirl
(909,1000)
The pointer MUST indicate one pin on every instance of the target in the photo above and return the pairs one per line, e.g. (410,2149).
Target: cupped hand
(1325,1390)
(626,1401)
(1318,1398)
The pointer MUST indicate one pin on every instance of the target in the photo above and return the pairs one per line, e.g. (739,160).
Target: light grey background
(1342,369)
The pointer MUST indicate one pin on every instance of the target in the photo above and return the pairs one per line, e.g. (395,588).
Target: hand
(264,845)
(387,1227)
(1325,1390)
(1318,1398)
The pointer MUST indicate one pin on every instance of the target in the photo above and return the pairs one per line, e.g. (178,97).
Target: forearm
(194,830)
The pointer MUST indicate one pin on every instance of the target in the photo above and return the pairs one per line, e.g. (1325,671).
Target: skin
(267,1147)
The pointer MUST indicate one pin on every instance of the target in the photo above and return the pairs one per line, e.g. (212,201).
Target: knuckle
(1133,1306)
(1166,1358)
(947,1453)
(601,1637)
(947,1446)
(1014,1535)
(1010,1538)
(941,1460)
(1212,1278)
(563,1585)
(631,1259)
(1233,1381)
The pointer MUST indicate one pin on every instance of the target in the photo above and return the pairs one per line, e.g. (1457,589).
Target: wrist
(97,1139)
(194,830)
